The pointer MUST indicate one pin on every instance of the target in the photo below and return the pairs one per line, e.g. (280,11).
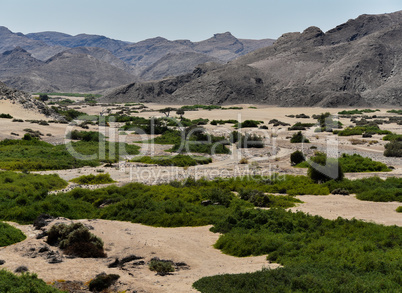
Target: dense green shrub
(393,136)
(248,124)
(7,116)
(9,235)
(10,283)
(359,130)
(37,155)
(86,135)
(93,179)
(322,169)
(372,189)
(301,126)
(299,138)
(178,160)
(357,163)
(319,255)
(76,240)
(395,111)
(393,149)
(399,209)
(356,111)
(220,122)
(297,157)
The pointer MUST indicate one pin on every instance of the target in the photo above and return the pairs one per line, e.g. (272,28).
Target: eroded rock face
(29,103)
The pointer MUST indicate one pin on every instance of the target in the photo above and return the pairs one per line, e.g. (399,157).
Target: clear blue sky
(135,20)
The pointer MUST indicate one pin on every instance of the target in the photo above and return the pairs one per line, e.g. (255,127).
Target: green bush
(102,282)
(393,136)
(395,111)
(10,283)
(248,124)
(324,169)
(260,199)
(162,267)
(93,179)
(318,255)
(76,240)
(357,163)
(356,111)
(297,157)
(10,235)
(250,141)
(33,154)
(301,126)
(86,135)
(399,209)
(393,149)
(359,130)
(6,116)
(299,138)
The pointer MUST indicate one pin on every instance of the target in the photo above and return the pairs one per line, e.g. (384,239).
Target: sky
(136,20)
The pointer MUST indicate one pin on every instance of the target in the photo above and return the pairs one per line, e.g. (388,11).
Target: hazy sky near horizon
(136,20)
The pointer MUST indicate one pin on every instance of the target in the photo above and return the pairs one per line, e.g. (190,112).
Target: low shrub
(10,283)
(102,282)
(76,240)
(393,149)
(6,116)
(161,267)
(399,209)
(93,179)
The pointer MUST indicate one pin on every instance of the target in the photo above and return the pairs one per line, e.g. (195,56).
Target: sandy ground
(194,245)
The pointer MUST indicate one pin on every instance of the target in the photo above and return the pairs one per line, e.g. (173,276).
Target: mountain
(221,47)
(68,72)
(81,40)
(16,62)
(175,64)
(150,59)
(357,63)
(38,49)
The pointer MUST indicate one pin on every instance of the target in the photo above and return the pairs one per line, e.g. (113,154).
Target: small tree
(166,111)
(43,98)
(296,158)
(299,138)
(393,149)
(181,113)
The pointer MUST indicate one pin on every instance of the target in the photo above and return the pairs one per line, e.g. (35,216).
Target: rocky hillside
(29,103)
(357,63)
(150,59)
(69,72)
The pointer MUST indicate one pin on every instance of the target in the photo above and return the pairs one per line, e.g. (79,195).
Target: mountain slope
(356,64)
(38,49)
(17,61)
(69,72)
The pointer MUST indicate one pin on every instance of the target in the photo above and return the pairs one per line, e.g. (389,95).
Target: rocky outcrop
(26,101)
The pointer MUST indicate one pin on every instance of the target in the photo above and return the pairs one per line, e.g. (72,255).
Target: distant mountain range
(53,61)
(358,63)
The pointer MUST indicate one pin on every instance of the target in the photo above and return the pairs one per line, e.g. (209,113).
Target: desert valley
(225,165)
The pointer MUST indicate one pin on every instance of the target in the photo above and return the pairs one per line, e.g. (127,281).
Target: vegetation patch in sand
(24,283)
(10,235)
(93,179)
(178,160)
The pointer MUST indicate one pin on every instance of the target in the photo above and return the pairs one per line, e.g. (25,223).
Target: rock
(42,221)
(21,269)
(2,262)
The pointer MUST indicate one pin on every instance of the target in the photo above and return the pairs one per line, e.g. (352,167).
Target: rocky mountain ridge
(358,63)
(150,59)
